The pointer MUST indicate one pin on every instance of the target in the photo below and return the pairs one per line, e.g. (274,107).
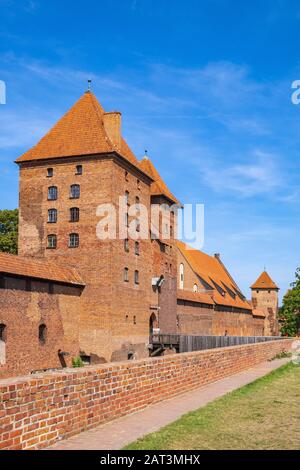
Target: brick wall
(22,312)
(37,411)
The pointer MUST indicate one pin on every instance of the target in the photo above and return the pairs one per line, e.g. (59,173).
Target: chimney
(218,256)
(112,126)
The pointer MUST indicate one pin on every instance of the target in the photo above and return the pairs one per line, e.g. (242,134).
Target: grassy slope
(262,415)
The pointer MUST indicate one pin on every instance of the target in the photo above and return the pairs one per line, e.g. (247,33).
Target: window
(136,277)
(126,277)
(49,172)
(137,248)
(137,201)
(74,214)
(52,241)
(52,216)
(126,219)
(195,288)
(73,240)
(138,183)
(134,320)
(126,245)
(78,170)
(127,198)
(126,175)
(2,332)
(42,333)
(75,191)
(181,276)
(52,193)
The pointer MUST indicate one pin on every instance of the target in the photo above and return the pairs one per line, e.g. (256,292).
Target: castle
(71,293)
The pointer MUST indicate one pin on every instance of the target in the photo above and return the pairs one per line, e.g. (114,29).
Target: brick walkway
(116,434)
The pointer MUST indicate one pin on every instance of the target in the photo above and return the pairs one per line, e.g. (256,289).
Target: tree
(9,231)
(290,310)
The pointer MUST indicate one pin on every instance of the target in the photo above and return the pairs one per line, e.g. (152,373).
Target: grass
(262,415)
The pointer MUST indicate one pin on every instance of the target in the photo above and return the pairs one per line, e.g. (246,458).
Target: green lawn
(262,415)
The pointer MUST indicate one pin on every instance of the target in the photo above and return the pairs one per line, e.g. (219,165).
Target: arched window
(195,288)
(42,333)
(52,193)
(52,241)
(136,277)
(126,277)
(73,240)
(181,276)
(74,214)
(52,216)
(75,191)
(2,332)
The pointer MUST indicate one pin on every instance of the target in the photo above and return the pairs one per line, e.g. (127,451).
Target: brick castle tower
(265,298)
(81,163)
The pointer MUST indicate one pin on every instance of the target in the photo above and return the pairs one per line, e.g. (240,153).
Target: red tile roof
(79,132)
(38,269)
(200,297)
(214,273)
(264,281)
(158,187)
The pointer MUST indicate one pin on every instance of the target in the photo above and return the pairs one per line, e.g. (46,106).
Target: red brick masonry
(36,411)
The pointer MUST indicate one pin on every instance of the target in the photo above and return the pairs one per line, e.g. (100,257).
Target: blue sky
(205,86)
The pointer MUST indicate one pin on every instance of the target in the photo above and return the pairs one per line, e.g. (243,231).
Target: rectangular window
(52,193)
(73,240)
(78,170)
(52,241)
(52,216)
(74,214)
(136,277)
(49,172)
(126,276)
(75,191)
(126,245)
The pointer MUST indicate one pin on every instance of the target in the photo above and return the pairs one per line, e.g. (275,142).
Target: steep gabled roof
(38,269)
(79,132)
(158,187)
(264,281)
(216,276)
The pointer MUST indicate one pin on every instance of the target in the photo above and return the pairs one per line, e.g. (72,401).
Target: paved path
(120,432)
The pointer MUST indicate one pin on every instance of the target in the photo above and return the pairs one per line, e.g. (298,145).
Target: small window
(137,201)
(126,219)
(138,183)
(49,172)
(74,214)
(52,193)
(78,170)
(126,175)
(181,276)
(42,333)
(52,241)
(75,191)
(137,248)
(126,318)
(52,216)
(126,276)
(127,198)
(136,277)
(2,332)
(195,288)
(126,245)
(134,320)
(73,240)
